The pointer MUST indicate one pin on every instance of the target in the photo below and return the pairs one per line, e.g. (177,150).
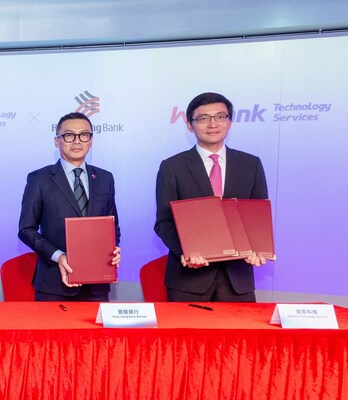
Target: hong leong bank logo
(89,105)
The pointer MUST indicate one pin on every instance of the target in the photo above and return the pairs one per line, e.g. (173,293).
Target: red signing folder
(256,215)
(202,228)
(90,242)
(227,229)
(237,229)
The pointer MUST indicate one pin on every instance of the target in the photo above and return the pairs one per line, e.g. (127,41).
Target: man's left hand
(255,260)
(116,260)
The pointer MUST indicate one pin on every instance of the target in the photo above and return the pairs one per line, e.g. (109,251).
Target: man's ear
(56,141)
(189,126)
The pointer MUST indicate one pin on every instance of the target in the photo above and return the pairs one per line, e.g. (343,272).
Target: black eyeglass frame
(208,118)
(79,135)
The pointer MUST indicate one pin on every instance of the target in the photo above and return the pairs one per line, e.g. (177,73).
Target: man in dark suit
(49,198)
(186,176)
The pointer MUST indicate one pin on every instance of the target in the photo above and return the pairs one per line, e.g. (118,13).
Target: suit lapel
(197,169)
(232,176)
(61,181)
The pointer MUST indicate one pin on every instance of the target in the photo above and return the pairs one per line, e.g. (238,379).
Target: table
(230,353)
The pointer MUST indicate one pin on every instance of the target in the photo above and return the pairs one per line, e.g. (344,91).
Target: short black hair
(73,115)
(207,98)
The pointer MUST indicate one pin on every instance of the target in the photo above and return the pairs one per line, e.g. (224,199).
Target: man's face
(210,135)
(76,151)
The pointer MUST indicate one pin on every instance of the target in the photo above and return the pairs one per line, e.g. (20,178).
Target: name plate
(305,316)
(127,315)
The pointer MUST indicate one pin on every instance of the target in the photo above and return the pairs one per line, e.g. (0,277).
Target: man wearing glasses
(70,188)
(190,175)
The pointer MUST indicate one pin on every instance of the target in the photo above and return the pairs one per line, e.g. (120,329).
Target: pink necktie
(215,176)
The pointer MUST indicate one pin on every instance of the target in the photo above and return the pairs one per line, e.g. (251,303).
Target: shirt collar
(68,167)
(204,153)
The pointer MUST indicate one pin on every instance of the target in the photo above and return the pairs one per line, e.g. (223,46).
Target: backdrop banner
(291,110)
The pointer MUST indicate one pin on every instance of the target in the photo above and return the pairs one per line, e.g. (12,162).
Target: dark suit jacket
(184,176)
(47,201)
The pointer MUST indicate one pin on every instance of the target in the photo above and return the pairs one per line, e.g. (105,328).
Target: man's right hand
(194,262)
(65,270)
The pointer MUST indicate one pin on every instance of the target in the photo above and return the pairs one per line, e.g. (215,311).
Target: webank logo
(290,112)
(299,112)
(5,116)
(255,114)
(89,104)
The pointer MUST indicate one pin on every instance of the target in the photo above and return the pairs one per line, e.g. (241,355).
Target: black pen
(202,307)
(63,307)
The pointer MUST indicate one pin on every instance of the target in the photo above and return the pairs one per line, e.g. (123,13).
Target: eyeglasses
(70,137)
(205,119)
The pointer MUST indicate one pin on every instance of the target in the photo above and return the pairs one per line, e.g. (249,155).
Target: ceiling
(65,23)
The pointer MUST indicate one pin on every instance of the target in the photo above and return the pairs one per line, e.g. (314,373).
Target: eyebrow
(219,112)
(71,131)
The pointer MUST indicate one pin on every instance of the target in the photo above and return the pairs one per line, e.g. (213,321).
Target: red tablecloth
(230,353)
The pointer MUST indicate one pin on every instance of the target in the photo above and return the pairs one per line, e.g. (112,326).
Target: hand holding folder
(227,229)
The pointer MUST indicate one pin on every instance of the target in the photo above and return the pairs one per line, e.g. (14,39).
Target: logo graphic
(89,104)
(242,115)
(287,112)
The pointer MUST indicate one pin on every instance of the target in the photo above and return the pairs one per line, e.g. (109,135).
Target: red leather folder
(90,242)
(227,229)
(202,228)
(256,215)
(237,229)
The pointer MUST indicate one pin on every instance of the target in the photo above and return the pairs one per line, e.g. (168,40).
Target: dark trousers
(220,290)
(84,295)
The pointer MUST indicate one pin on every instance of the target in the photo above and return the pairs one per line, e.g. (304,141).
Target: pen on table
(62,306)
(202,307)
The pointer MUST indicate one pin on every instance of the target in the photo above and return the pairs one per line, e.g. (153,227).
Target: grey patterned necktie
(79,192)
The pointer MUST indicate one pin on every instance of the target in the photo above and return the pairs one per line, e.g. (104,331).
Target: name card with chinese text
(305,316)
(127,315)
